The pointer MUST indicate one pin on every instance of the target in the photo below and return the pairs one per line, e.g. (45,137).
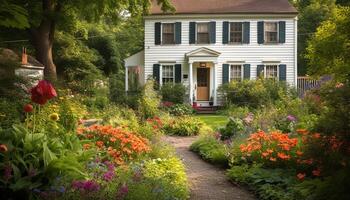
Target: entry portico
(203,64)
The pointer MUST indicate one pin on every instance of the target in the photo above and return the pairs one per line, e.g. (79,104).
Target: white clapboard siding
(252,53)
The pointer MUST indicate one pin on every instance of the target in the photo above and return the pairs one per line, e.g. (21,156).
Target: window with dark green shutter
(236,32)
(192,34)
(246,71)
(282,72)
(168,33)
(203,33)
(178,33)
(157,33)
(178,73)
(156,72)
(282,31)
(261,32)
(260,71)
(225,32)
(225,73)
(246,32)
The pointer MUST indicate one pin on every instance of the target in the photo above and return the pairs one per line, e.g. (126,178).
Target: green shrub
(10,112)
(181,109)
(183,126)
(149,101)
(211,149)
(233,127)
(173,92)
(255,93)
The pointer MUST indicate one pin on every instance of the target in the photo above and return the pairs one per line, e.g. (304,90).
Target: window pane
(236,32)
(202,33)
(236,73)
(271,71)
(168,73)
(271,32)
(168,34)
(271,26)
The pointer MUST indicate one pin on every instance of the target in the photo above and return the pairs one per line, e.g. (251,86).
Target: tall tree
(47,15)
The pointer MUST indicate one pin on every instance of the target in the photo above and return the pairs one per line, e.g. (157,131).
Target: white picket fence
(305,83)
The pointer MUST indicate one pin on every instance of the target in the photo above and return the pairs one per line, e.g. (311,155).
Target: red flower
(28,108)
(301,176)
(43,92)
(316,172)
(3,148)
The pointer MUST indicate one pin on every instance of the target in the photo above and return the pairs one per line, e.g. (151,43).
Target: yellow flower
(54,117)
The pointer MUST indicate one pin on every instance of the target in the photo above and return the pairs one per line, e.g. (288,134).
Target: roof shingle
(227,7)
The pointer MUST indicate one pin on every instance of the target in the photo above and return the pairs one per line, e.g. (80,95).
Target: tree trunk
(42,40)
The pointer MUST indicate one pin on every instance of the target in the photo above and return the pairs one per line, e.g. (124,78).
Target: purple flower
(108,176)
(291,118)
(123,191)
(89,185)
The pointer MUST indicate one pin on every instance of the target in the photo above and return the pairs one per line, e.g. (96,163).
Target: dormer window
(202,33)
(168,33)
(236,32)
(271,32)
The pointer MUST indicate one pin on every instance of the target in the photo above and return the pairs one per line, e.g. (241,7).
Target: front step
(206,110)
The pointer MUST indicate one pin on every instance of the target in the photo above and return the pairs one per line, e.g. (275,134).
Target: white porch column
(126,78)
(214,83)
(191,82)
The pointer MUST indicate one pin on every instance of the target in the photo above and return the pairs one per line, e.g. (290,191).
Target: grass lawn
(214,121)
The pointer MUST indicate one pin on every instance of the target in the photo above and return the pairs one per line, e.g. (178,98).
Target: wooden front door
(203,84)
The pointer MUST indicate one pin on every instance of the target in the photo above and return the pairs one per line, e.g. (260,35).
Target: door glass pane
(202,77)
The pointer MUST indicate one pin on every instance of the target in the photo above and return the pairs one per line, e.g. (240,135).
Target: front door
(203,84)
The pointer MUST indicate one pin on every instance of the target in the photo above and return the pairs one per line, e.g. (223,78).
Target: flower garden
(281,146)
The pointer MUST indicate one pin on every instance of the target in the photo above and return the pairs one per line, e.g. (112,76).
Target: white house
(207,43)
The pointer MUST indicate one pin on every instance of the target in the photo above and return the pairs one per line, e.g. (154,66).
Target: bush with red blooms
(43,92)
(118,144)
(28,108)
(155,122)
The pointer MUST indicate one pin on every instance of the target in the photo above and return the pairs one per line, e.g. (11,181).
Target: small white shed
(134,71)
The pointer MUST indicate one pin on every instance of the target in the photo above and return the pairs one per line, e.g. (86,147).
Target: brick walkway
(208,182)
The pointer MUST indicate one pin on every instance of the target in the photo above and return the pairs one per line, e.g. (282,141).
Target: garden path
(207,182)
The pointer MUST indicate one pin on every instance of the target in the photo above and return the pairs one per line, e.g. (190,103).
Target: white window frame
(196,36)
(161,72)
(161,33)
(242,73)
(229,32)
(278,70)
(278,28)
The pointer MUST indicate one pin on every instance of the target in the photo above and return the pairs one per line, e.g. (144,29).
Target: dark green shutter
(157,32)
(225,72)
(261,32)
(212,32)
(282,31)
(225,32)
(178,33)
(246,71)
(259,71)
(177,73)
(156,73)
(246,32)
(192,33)
(282,72)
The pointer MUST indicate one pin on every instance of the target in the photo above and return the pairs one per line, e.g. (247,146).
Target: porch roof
(203,52)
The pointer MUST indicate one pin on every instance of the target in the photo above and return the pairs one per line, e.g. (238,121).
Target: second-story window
(271,32)
(236,32)
(168,36)
(203,33)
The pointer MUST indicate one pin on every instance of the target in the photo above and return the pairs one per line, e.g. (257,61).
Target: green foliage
(173,92)
(12,15)
(10,113)
(181,109)
(184,126)
(149,101)
(211,149)
(255,93)
(328,51)
(234,127)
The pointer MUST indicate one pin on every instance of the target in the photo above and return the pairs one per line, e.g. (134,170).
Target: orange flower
(273,159)
(3,148)
(283,156)
(99,144)
(86,146)
(316,172)
(302,131)
(301,176)
(299,153)
(265,154)
(316,135)
(112,139)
